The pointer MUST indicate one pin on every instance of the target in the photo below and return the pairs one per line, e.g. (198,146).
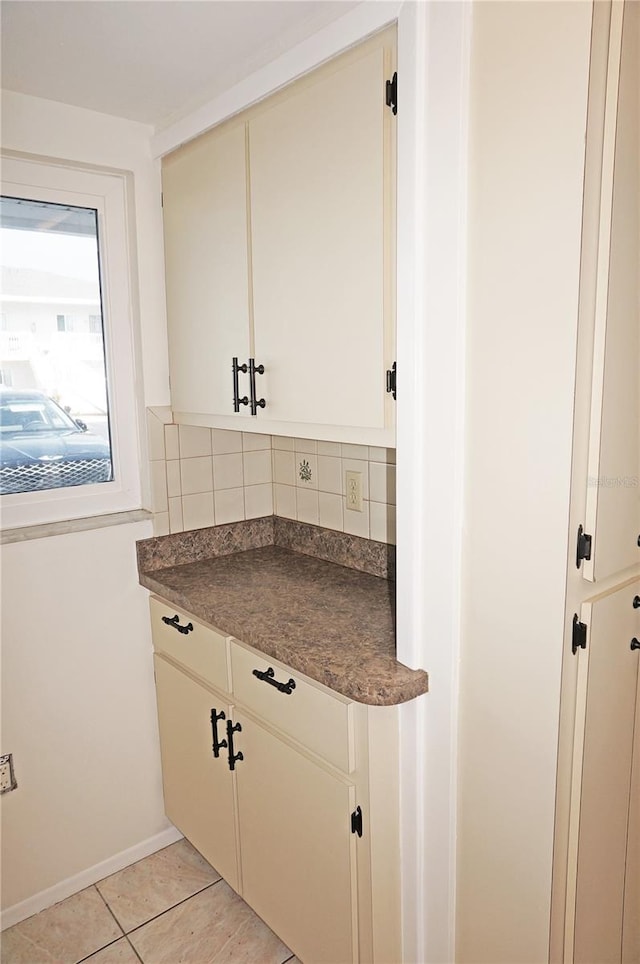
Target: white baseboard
(52,895)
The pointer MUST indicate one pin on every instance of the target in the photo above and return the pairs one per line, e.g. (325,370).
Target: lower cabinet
(198,787)
(603,918)
(298,852)
(259,793)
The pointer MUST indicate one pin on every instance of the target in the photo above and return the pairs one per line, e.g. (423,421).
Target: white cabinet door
(613,490)
(198,787)
(207,275)
(298,852)
(320,164)
(601,795)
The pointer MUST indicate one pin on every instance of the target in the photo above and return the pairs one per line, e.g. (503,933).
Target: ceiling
(148,60)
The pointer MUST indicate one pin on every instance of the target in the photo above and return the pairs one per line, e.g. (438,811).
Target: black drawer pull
(175,622)
(635,643)
(217,744)
(268,677)
(231,729)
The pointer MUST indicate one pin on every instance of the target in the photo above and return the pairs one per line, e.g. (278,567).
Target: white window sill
(25,533)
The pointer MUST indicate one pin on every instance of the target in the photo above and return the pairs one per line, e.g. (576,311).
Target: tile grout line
(109,943)
(126,937)
(106,904)
(173,907)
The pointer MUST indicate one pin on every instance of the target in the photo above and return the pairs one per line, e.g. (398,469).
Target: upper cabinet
(207,276)
(280,250)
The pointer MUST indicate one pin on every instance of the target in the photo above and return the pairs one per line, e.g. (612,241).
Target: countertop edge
(415,683)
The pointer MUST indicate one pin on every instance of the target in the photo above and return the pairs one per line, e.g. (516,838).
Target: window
(68,408)
(49,256)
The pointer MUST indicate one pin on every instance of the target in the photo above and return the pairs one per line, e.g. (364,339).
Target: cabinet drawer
(201,650)
(315,718)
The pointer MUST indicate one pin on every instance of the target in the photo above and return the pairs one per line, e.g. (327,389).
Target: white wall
(529,76)
(78,699)
(78,708)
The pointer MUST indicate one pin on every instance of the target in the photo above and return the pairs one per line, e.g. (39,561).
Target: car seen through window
(42,447)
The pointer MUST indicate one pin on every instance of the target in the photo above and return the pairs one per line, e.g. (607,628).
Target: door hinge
(391,380)
(583,547)
(392,93)
(579,635)
(356,821)
(162,199)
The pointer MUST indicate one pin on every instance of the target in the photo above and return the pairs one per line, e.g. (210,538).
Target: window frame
(109,193)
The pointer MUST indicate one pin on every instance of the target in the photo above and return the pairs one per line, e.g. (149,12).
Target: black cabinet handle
(268,676)
(636,602)
(217,744)
(237,401)
(233,757)
(635,643)
(256,402)
(175,622)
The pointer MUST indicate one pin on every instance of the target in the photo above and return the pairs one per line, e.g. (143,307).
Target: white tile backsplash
(382,455)
(171,442)
(308,506)
(330,511)
(196,475)
(254,442)
(229,505)
(224,442)
(382,483)
(227,471)
(306,470)
(161,524)
(257,467)
(197,510)
(349,451)
(285,500)
(213,476)
(155,436)
(284,467)
(382,522)
(195,441)
(329,448)
(329,474)
(356,523)
(175,515)
(283,443)
(158,486)
(258,500)
(174,482)
(306,445)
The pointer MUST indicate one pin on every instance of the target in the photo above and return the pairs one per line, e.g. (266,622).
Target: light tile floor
(170,908)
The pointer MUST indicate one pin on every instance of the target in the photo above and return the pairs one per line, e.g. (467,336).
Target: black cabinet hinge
(356,821)
(392,93)
(583,547)
(391,380)
(579,635)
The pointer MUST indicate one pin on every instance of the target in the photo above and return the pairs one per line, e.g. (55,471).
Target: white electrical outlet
(7,776)
(353,488)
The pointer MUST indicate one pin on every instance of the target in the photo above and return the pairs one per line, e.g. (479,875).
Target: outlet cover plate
(353,486)
(7,775)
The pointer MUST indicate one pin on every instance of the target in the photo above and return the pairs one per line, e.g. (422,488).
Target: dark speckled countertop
(333,623)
